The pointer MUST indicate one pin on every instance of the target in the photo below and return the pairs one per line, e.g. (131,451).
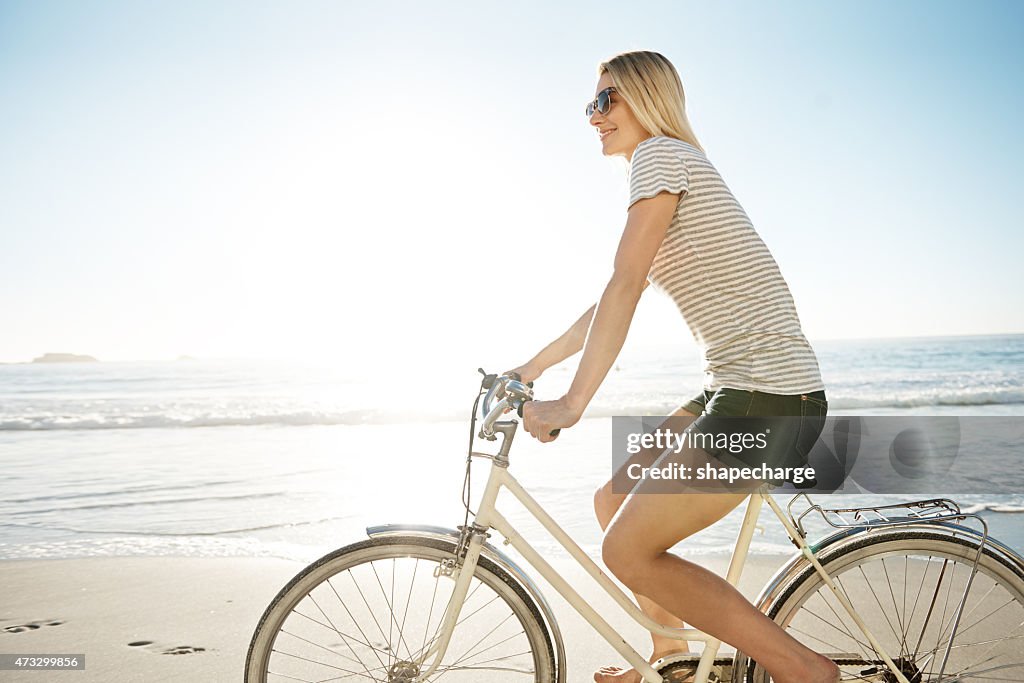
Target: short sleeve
(657,166)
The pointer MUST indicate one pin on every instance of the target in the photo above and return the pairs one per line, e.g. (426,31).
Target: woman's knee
(624,558)
(606,504)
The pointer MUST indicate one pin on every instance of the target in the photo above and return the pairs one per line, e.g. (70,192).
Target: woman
(686,233)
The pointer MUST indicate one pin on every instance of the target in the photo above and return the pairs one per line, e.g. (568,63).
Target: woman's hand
(540,417)
(527,372)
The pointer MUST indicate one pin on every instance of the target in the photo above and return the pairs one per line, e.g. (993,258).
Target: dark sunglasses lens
(603,103)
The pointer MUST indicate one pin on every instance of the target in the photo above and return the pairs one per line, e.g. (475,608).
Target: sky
(417,182)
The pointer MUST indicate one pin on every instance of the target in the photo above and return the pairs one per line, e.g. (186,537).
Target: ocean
(293,459)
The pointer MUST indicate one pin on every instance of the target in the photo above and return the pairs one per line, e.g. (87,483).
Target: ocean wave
(847,402)
(175,534)
(144,418)
(992,507)
(151,421)
(963,397)
(149,502)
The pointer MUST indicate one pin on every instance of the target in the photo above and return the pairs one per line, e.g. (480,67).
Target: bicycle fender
(494,555)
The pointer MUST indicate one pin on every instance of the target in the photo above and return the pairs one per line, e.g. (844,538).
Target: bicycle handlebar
(514,394)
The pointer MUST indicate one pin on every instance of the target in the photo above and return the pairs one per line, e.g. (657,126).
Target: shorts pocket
(818,401)
(734,402)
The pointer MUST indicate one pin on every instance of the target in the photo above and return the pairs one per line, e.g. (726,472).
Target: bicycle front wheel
(367,612)
(906,586)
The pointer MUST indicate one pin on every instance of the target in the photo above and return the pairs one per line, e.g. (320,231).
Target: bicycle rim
(907,587)
(367,612)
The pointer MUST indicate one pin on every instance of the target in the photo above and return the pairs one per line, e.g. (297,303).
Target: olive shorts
(794,422)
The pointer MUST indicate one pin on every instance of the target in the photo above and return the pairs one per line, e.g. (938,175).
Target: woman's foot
(615,674)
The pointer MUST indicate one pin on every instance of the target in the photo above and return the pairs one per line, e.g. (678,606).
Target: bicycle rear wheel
(366,612)
(906,586)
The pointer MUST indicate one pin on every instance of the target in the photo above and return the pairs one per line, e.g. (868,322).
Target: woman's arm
(566,345)
(570,343)
(645,230)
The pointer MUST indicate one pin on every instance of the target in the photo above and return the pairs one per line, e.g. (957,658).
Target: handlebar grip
(553,433)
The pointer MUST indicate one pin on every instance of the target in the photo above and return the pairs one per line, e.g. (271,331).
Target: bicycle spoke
(391,613)
(368,608)
(338,631)
(478,667)
(906,571)
(879,602)
(899,619)
(984,655)
(960,632)
(322,647)
(303,680)
(867,649)
(408,599)
(437,634)
(430,614)
(917,598)
(391,621)
(334,630)
(945,604)
(827,645)
(845,631)
(977,676)
(500,642)
(469,652)
(971,611)
(318,663)
(931,605)
(944,642)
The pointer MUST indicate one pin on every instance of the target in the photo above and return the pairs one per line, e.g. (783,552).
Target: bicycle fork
(463,565)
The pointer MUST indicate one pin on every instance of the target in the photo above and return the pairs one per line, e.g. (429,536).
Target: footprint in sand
(183,650)
(159,649)
(32,626)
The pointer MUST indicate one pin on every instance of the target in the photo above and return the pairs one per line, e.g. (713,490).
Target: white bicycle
(903,593)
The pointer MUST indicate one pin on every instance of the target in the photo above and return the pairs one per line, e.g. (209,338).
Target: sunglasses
(603,102)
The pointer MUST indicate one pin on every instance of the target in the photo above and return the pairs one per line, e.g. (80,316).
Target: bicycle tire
(876,547)
(431,552)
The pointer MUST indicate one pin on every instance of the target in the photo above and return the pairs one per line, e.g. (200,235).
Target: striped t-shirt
(722,277)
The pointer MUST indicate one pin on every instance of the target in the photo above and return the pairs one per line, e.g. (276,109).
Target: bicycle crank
(683,672)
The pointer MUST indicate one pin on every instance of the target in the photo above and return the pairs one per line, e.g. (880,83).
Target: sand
(194,616)
(190,619)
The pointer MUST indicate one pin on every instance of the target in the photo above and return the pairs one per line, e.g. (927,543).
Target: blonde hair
(651,87)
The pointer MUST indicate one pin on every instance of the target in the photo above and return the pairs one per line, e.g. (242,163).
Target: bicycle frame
(488,517)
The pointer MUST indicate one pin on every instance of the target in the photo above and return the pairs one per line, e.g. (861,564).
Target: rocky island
(64,358)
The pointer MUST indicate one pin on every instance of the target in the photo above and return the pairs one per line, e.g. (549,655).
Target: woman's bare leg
(636,550)
(606,504)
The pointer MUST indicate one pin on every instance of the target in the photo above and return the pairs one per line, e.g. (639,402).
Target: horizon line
(186,357)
